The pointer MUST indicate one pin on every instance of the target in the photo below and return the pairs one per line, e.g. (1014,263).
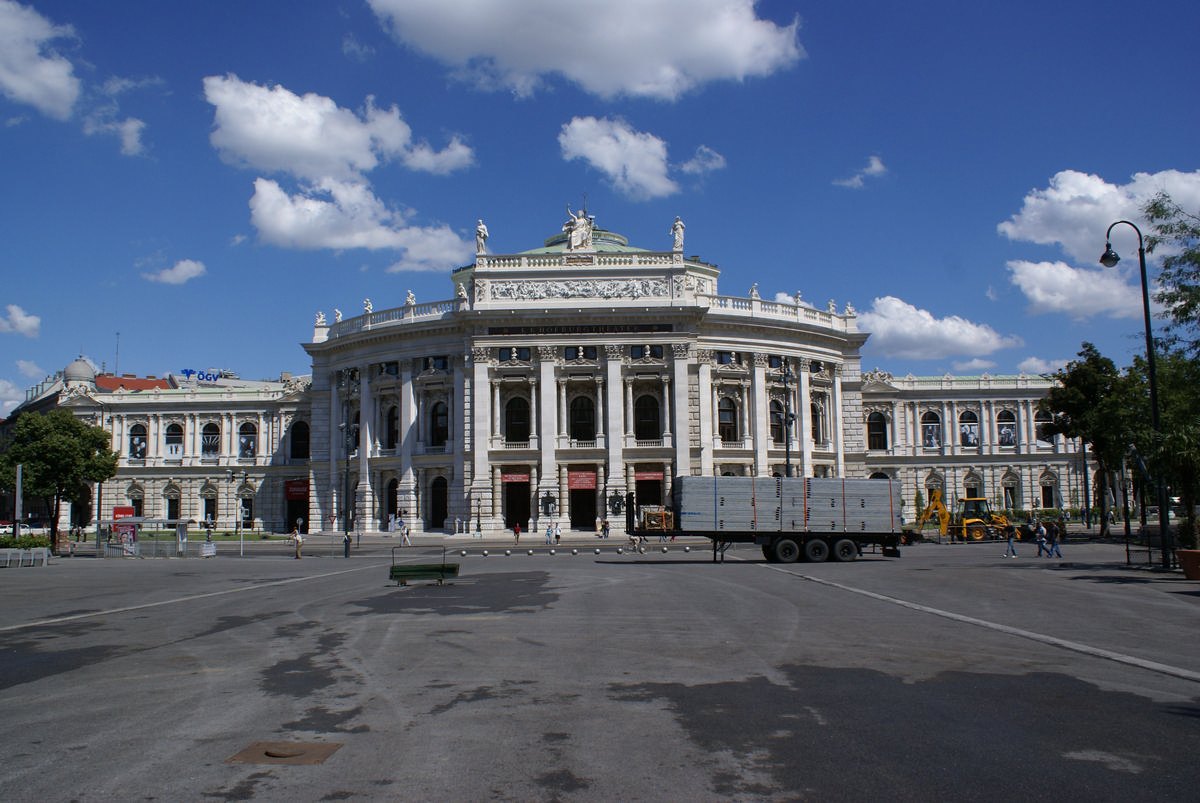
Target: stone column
(804,418)
(364,506)
(547,426)
(679,402)
(615,410)
(761,417)
(704,363)
(406,421)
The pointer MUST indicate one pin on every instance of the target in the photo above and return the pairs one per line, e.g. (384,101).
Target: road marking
(1075,646)
(191,597)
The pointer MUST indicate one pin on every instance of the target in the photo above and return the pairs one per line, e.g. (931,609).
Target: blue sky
(204,177)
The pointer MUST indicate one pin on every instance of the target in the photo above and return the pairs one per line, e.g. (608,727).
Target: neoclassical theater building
(550,384)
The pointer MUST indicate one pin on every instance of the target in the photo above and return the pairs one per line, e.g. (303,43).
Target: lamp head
(1109,258)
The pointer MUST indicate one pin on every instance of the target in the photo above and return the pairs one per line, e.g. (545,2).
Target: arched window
(137,442)
(174,441)
(516,420)
(300,440)
(778,423)
(1006,428)
(439,425)
(877,434)
(392,428)
(727,420)
(1041,420)
(647,423)
(582,419)
(968,429)
(247,440)
(817,421)
(879,475)
(931,430)
(210,440)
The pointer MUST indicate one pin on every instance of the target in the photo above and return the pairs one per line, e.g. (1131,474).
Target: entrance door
(649,492)
(583,508)
(437,502)
(516,504)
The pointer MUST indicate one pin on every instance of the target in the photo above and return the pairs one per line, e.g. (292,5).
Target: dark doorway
(297,512)
(649,492)
(437,502)
(516,505)
(583,508)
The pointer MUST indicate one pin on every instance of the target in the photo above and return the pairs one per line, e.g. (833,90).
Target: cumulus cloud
(1036,365)
(1077,208)
(706,160)
(1078,293)
(329,150)
(975,366)
(179,273)
(634,162)
(19,321)
(29,369)
(30,71)
(129,131)
(900,330)
(873,169)
(10,397)
(647,48)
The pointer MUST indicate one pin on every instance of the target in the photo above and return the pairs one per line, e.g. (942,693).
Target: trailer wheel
(844,550)
(816,550)
(976,533)
(786,551)
(769,553)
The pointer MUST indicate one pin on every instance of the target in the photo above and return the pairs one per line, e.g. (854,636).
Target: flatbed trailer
(807,518)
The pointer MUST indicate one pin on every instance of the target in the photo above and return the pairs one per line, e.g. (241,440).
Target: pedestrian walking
(604,529)
(1052,535)
(1039,534)
(298,539)
(404,534)
(516,535)
(557,533)
(549,534)
(1011,532)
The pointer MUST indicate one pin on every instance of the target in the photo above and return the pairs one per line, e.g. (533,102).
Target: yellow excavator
(973,521)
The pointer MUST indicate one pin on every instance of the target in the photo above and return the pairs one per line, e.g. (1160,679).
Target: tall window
(210,440)
(727,420)
(174,441)
(247,440)
(968,429)
(647,423)
(300,440)
(516,420)
(817,420)
(778,423)
(877,435)
(582,419)
(137,442)
(392,428)
(1006,428)
(1042,420)
(931,430)
(439,424)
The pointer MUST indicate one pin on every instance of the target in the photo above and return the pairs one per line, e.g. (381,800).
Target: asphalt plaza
(949,673)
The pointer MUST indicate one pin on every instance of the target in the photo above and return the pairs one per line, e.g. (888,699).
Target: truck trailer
(791,517)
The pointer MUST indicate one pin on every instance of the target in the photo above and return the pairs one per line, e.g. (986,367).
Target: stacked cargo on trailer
(792,517)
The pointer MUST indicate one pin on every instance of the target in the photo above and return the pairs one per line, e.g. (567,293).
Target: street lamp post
(1109,259)
(237,508)
(788,418)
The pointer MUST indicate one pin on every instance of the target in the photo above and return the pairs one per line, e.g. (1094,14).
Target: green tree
(59,455)
(1093,401)
(1178,232)
(1175,455)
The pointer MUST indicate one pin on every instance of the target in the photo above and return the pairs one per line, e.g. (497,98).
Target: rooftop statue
(579,230)
(481,235)
(320,319)
(367,308)
(677,232)
(337,315)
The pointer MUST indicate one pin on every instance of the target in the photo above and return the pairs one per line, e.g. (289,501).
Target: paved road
(948,674)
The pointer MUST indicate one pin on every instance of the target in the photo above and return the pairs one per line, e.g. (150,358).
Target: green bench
(403,572)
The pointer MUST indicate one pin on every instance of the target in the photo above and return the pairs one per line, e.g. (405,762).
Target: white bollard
(574,551)
(485,553)
(507,552)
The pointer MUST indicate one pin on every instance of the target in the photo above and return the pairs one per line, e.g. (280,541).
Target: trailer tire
(769,553)
(976,532)
(845,550)
(786,550)
(816,550)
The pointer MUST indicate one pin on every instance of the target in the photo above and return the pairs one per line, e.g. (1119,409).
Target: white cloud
(29,369)
(1078,293)
(103,120)
(649,48)
(634,162)
(900,330)
(20,322)
(1036,365)
(975,366)
(785,298)
(873,169)
(329,149)
(311,137)
(706,160)
(354,49)
(10,397)
(30,72)
(183,270)
(1076,210)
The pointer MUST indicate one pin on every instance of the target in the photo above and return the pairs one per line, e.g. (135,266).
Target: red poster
(514,477)
(295,490)
(581,480)
(647,475)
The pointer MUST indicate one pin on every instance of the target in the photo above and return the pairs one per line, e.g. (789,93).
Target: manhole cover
(286,753)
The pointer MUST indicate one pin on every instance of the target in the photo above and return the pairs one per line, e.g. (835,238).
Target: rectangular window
(726,357)
(774,361)
(510,354)
(439,363)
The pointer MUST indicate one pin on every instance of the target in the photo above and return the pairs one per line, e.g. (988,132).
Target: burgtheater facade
(554,382)
(559,379)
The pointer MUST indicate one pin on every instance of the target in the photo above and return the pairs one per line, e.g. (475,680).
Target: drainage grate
(286,753)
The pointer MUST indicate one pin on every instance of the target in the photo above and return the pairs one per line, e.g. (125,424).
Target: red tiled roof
(110,383)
